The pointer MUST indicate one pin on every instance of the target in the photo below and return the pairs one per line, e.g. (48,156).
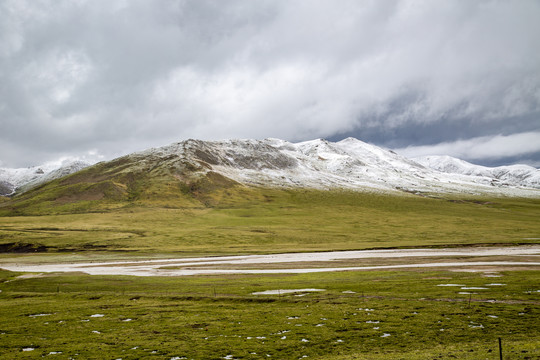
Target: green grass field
(217,317)
(263,221)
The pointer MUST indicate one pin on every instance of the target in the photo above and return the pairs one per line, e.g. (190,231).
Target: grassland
(217,317)
(269,220)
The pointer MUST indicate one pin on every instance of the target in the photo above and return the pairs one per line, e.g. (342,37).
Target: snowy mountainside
(21,179)
(511,175)
(349,164)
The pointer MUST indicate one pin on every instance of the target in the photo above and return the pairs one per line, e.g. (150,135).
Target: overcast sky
(99,79)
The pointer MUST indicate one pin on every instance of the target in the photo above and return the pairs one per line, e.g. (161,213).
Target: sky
(98,79)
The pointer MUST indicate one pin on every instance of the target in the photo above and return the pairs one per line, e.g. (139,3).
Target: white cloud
(486,147)
(292,100)
(127,75)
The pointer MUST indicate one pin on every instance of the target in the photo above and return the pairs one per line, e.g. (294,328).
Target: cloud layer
(110,77)
(485,147)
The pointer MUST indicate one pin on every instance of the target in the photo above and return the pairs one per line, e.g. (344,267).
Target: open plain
(396,277)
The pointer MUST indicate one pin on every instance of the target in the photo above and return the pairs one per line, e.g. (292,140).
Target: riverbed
(465,258)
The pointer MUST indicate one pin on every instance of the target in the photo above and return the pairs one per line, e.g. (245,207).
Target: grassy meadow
(266,221)
(359,315)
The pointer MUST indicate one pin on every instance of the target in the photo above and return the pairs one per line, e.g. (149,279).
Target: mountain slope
(512,175)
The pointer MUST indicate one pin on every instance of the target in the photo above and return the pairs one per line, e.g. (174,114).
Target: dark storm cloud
(103,78)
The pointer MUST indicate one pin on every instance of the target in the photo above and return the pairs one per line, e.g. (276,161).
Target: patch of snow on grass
(284,291)
(473,288)
(476,326)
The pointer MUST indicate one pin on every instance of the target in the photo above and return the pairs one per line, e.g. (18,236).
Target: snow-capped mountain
(12,180)
(511,175)
(350,164)
(320,164)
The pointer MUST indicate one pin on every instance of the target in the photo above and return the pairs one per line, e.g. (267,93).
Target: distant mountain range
(22,179)
(320,164)
(510,175)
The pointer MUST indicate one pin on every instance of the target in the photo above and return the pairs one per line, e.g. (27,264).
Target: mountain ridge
(320,164)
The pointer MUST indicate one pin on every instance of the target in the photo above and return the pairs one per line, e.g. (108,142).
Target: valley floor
(413,313)
(476,279)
